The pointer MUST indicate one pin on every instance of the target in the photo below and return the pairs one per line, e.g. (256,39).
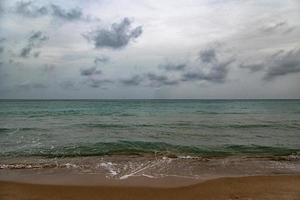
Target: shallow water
(120,167)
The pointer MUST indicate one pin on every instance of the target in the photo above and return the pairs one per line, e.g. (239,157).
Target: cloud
(1,9)
(208,55)
(2,47)
(49,68)
(133,81)
(211,70)
(90,71)
(25,51)
(35,40)
(278,64)
(216,74)
(96,83)
(29,9)
(274,26)
(280,26)
(173,67)
(68,15)
(67,85)
(31,85)
(282,63)
(101,59)
(252,67)
(149,79)
(36,54)
(37,36)
(160,80)
(117,36)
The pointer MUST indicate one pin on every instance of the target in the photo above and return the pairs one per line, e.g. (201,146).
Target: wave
(190,125)
(101,125)
(110,125)
(15,130)
(4,130)
(142,147)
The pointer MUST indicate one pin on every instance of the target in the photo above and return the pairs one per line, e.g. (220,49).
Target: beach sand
(254,187)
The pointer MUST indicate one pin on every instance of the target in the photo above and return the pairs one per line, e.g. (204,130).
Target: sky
(115,49)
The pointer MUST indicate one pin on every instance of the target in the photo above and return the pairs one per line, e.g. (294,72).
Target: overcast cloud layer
(150,49)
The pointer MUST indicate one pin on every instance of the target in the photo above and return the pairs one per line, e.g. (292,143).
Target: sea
(80,128)
(118,139)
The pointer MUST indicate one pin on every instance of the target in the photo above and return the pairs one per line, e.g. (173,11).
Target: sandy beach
(255,187)
(146,177)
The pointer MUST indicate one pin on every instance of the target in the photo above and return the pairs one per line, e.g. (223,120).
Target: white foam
(110,167)
(69,165)
(148,176)
(148,166)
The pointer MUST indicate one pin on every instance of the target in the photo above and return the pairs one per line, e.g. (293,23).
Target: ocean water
(75,128)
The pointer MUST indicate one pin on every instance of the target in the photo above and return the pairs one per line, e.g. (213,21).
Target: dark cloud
(29,9)
(282,63)
(160,80)
(90,71)
(278,64)
(273,27)
(253,67)
(69,15)
(1,49)
(289,30)
(278,27)
(36,54)
(25,51)
(1,9)
(39,85)
(96,83)
(133,81)
(49,68)
(32,85)
(67,85)
(173,67)
(149,79)
(208,55)
(117,36)
(101,59)
(216,74)
(35,40)
(212,69)
(37,36)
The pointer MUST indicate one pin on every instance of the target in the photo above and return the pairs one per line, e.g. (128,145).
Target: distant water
(53,128)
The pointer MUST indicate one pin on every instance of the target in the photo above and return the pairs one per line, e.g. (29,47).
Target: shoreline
(251,187)
(44,170)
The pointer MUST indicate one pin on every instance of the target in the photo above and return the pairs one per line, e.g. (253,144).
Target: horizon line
(70,99)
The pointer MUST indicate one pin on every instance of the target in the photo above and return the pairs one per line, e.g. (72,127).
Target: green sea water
(64,128)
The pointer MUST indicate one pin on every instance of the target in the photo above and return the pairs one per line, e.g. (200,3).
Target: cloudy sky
(150,49)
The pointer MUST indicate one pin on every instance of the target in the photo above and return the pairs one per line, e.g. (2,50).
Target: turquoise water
(183,127)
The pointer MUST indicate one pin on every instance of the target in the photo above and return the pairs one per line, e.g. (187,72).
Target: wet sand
(282,187)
